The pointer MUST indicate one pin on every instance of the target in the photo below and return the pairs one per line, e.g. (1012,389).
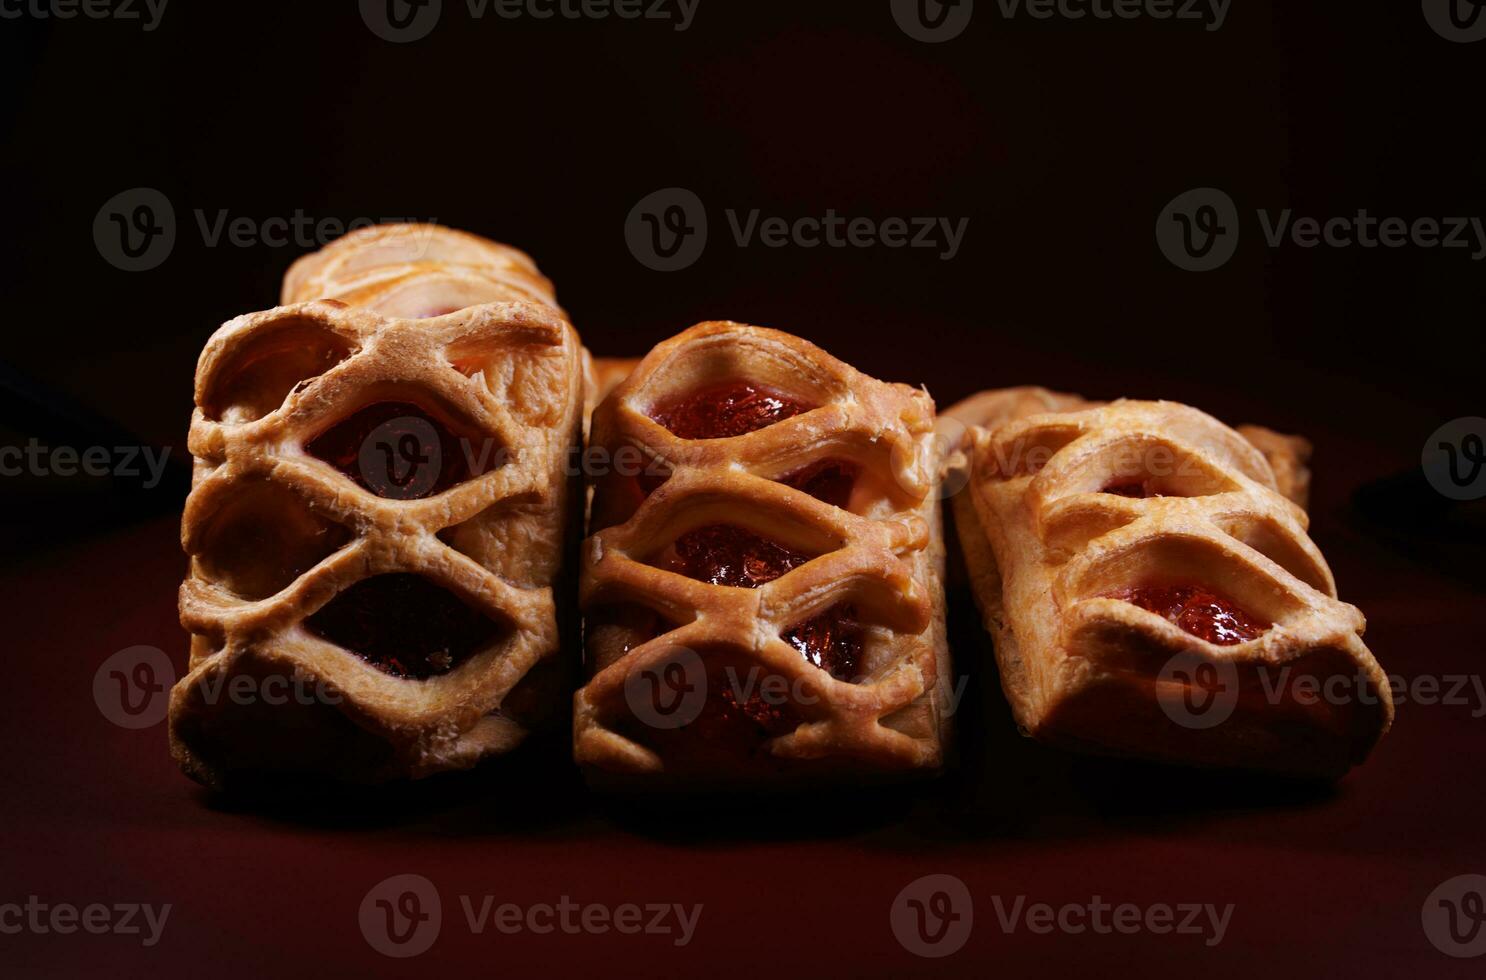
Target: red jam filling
(830,481)
(397,450)
(404,625)
(722,554)
(1202,613)
(720,411)
(831,641)
(732,728)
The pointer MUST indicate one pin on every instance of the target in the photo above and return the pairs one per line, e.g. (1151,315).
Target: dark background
(1061,142)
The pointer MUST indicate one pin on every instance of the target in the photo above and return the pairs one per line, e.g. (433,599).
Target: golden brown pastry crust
(509,374)
(1044,548)
(412,270)
(886,559)
(1287,455)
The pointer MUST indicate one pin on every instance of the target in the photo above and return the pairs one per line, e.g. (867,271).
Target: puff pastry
(762,584)
(1151,592)
(382,513)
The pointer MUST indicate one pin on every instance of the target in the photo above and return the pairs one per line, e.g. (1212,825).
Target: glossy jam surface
(830,480)
(720,411)
(723,554)
(1201,612)
(831,641)
(397,450)
(404,625)
(732,729)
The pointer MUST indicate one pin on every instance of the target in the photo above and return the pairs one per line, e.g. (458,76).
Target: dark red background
(1061,142)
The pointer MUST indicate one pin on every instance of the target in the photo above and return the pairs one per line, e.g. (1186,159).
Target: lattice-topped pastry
(762,584)
(381,514)
(415,271)
(1151,593)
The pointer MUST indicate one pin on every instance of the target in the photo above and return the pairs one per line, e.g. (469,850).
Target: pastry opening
(397,449)
(830,481)
(1271,541)
(404,625)
(706,712)
(832,641)
(1025,453)
(1198,610)
(726,554)
(282,357)
(263,538)
(727,409)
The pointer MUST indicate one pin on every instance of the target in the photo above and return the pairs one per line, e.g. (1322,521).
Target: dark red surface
(1325,882)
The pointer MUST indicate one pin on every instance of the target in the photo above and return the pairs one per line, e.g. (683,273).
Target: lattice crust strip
(413,270)
(275,534)
(884,557)
(1054,540)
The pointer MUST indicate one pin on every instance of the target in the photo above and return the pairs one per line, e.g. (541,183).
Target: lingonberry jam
(1199,611)
(830,480)
(720,411)
(397,450)
(831,641)
(731,729)
(723,554)
(404,625)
